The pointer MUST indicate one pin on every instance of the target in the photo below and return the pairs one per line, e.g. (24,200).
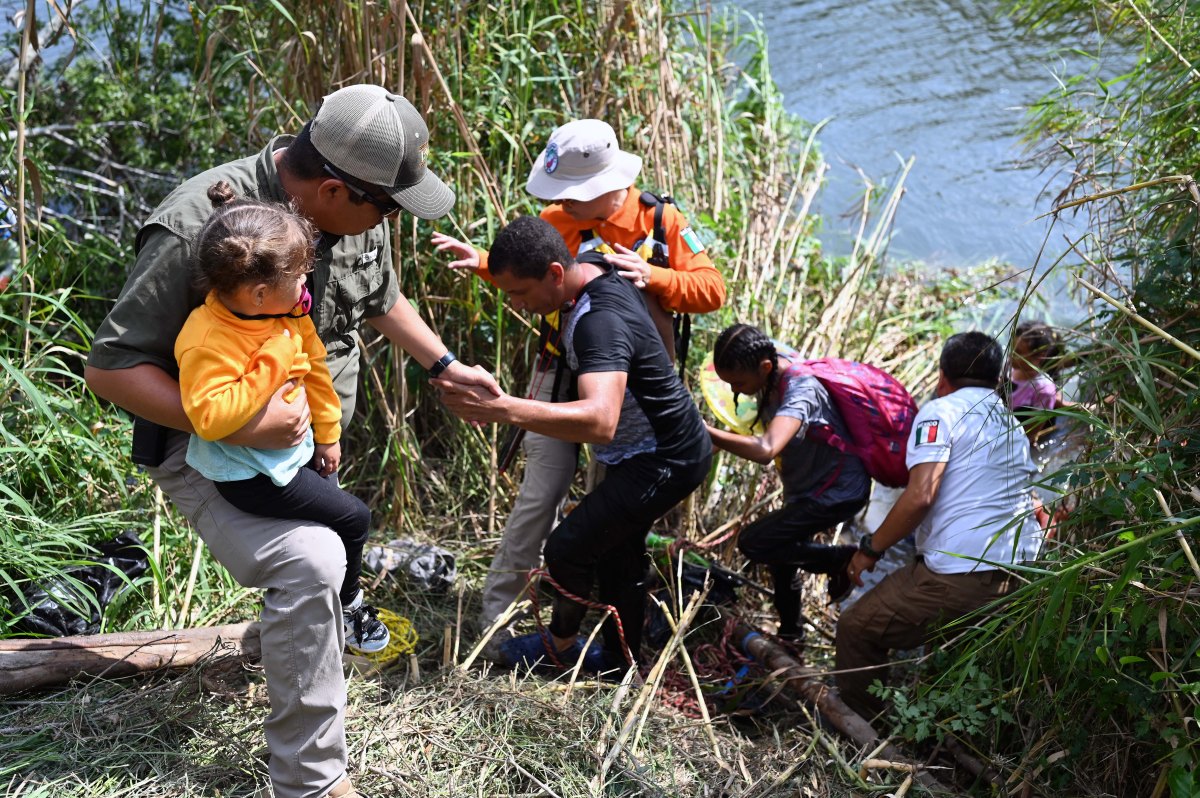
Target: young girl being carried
(822,486)
(250,337)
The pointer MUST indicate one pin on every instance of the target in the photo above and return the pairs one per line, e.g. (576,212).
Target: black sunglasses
(388,207)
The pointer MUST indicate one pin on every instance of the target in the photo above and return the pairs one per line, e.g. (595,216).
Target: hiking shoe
(343,789)
(840,583)
(365,633)
(534,651)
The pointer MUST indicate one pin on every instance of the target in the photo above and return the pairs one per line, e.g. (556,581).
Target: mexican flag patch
(692,240)
(927,432)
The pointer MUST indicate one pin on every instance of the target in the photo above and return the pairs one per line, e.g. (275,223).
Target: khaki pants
(904,611)
(300,565)
(549,468)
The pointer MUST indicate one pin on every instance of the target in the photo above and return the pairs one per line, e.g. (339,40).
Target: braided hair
(248,241)
(742,347)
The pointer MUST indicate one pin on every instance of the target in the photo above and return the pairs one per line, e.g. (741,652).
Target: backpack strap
(658,232)
(821,433)
(681,324)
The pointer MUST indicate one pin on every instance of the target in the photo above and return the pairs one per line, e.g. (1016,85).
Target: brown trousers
(904,611)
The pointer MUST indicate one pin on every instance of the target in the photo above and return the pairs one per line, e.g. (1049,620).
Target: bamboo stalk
(22,234)
(1137,317)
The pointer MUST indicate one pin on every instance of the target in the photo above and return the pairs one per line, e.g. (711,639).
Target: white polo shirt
(984,507)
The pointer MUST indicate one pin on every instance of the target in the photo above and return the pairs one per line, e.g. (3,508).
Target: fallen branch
(31,664)
(817,693)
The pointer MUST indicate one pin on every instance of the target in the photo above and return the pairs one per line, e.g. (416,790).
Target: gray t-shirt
(810,469)
(352,279)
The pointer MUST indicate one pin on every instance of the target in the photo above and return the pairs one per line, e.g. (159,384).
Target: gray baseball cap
(378,137)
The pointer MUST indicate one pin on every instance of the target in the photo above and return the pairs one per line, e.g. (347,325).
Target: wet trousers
(783,541)
(904,611)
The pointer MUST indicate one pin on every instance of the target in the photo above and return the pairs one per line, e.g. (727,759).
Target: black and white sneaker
(365,633)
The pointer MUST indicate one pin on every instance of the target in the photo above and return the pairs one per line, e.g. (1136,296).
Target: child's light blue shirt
(221,462)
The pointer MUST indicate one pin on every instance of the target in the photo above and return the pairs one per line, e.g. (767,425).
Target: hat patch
(551,158)
(423,153)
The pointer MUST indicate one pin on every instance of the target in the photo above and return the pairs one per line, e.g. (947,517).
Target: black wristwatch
(864,545)
(442,364)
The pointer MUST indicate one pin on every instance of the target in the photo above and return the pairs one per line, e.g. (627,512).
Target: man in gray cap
(355,165)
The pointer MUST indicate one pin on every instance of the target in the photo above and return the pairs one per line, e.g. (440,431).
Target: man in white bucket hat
(589,181)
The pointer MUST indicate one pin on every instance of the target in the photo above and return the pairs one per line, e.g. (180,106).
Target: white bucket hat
(581,162)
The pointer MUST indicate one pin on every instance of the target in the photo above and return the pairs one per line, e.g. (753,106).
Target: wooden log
(31,664)
(803,682)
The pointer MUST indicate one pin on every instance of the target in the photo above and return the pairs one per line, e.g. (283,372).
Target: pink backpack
(876,408)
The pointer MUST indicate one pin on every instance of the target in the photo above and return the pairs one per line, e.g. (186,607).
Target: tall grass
(179,90)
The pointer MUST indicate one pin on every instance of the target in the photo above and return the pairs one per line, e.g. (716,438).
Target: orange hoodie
(230,367)
(691,285)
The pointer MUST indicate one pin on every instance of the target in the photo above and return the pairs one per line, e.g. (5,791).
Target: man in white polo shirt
(969,500)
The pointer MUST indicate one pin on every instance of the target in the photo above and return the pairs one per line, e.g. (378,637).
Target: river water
(946,81)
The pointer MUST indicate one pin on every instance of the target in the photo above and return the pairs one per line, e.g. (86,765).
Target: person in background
(353,166)
(1032,389)
(595,205)
(822,487)
(969,500)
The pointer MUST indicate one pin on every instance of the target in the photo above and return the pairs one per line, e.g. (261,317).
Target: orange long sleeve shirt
(230,367)
(692,284)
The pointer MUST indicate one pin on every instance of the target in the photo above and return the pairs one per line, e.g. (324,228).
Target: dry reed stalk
(1137,317)
(185,608)
(26,62)
(490,186)
(642,705)
(512,611)
(691,671)
(579,662)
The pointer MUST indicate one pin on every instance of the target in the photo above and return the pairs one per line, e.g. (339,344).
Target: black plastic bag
(54,605)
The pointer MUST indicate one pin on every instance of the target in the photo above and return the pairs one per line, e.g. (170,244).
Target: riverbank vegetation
(1091,679)
(132,98)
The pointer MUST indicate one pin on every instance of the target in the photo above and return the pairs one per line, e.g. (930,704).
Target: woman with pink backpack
(833,425)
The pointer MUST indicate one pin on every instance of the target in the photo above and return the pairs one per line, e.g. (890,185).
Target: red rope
(595,605)
(712,662)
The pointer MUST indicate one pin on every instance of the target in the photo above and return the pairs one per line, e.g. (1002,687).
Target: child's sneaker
(365,633)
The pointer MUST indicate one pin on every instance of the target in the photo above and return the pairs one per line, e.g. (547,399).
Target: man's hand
(473,403)
(858,563)
(281,424)
(630,265)
(458,374)
(468,258)
(327,458)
